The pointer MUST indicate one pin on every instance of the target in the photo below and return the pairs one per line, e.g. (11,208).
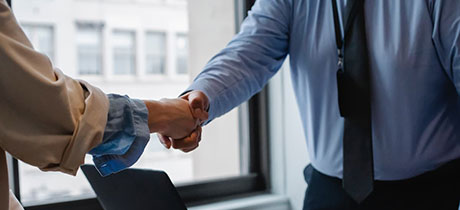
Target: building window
(89,49)
(124,53)
(182,53)
(155,53)
(42,38)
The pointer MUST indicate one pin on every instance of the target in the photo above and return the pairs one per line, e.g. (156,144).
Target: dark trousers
(434,190)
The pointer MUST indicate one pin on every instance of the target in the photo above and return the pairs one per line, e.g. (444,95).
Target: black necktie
(354,103)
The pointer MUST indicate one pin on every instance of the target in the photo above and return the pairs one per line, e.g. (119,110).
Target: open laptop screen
(134,189)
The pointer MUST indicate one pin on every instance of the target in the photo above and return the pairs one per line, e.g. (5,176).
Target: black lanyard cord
(338,35)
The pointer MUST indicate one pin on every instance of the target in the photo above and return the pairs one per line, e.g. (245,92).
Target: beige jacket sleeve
(47,119)
(14,203)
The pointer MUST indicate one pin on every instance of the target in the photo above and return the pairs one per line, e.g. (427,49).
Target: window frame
(256,181)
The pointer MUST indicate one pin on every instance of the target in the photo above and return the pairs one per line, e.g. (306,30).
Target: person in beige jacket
(52,121)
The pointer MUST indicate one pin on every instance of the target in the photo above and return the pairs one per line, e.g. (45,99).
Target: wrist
(156,119)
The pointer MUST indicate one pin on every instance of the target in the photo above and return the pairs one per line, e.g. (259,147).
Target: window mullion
(13,175)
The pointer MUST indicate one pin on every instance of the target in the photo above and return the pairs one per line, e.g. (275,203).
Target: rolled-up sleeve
(125,137)
(47,119)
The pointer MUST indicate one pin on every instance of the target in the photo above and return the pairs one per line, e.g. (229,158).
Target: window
(89,49)
(124,56)
(182,53)
(98,39)
(42,38)
(155,52)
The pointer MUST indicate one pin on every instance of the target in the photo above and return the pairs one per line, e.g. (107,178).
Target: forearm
(250,59)
(156,111)
(235,74)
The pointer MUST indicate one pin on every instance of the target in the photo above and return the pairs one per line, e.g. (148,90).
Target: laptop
(134,189)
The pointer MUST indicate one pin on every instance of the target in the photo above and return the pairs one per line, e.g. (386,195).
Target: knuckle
(162,140)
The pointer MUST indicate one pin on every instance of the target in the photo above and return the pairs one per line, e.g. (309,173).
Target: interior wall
(211,27)
(288,147)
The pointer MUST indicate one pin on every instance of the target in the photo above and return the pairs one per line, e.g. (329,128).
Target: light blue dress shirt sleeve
(250,59)
(125,137)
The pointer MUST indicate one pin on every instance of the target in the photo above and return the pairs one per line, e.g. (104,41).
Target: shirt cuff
(125,137)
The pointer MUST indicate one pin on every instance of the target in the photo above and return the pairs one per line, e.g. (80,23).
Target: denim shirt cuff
(125,137)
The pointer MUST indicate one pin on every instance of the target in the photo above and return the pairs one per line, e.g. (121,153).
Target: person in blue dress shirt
(414,54)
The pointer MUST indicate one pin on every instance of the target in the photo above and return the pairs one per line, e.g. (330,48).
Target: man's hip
(435,190)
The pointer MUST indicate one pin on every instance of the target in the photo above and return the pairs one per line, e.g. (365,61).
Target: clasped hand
(178,122)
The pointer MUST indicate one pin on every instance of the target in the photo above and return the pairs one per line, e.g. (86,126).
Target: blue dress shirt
(415,71)
(125,137)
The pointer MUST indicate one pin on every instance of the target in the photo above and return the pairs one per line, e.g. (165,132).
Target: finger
(197,101)
(161,139)
(166,141)
(199,130)
(185,96)
(197,143)
(187,142)
(198,111)
(191,149)
(200,114)
(199,104)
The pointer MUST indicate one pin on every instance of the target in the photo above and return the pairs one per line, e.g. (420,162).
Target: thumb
(199,104)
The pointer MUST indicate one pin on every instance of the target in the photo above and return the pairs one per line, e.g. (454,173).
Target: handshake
(178,122)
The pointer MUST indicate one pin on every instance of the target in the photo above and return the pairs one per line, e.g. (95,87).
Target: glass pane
(182,53)
(89,48)
(155,52)
(95,38)
(123,52)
